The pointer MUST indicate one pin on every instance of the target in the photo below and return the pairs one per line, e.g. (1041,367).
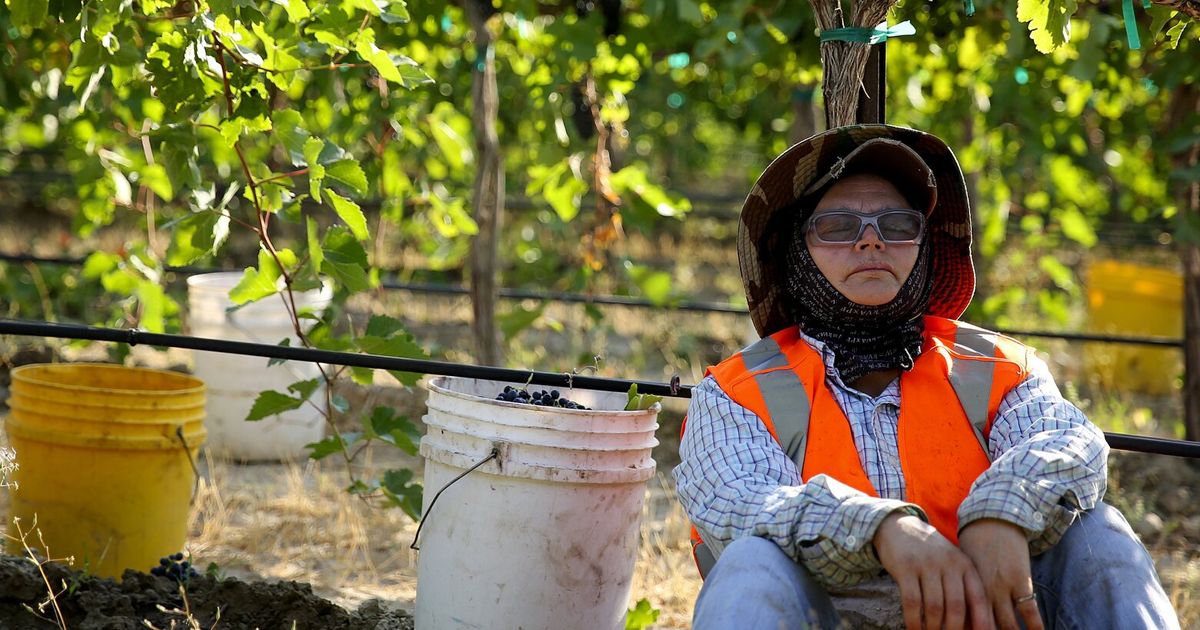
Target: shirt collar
(890,394)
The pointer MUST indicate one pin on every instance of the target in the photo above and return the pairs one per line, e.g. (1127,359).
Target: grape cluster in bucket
(540,398)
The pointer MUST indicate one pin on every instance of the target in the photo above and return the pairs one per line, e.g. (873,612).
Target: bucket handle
(195,471)
(493,455)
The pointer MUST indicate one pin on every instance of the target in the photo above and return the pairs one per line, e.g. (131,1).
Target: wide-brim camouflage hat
(808,168)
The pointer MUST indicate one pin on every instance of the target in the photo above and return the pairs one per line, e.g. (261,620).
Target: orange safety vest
(943,445)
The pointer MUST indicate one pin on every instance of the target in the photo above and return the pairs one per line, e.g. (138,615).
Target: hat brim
(812,165)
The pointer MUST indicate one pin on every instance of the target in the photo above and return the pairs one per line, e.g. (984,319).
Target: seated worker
(869,439)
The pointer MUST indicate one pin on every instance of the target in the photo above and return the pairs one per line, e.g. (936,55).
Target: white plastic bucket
(543,536)
(234,381)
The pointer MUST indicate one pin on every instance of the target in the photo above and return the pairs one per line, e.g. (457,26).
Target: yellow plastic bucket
(1134,300)
(105,458)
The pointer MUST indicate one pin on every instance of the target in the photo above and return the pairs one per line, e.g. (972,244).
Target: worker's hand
(1001,556)
(939,586)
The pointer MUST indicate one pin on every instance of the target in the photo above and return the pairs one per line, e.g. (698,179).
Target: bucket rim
(436,385)
(19,431)
(17,399)
(196,386)
(181,421)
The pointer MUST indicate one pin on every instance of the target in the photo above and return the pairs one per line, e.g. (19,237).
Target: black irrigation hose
(1120,441)
(422,366)
(619,300)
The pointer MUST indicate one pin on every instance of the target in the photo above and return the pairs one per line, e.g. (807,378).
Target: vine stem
(278,176)
(264,223)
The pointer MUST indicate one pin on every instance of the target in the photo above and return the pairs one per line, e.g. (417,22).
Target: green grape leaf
(1075,227)
(288,127)
(383,326)
(350,214)
(637,402)
(1049,21)
(286,343)
(655,285)
(398,487)
(362,376)
(153,302)
(398,431)
(297,10)
(154,177)
(349,173)
(452,146)
(270,403)
(315,254)
(257,283)
(518,319)
(325,448)
(380,59)
(642,616)
(30,13)
(385,336)
(305,388)
(191,238)
(345,259)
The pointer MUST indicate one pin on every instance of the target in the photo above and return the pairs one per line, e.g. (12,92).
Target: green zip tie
(1131,32)
(875,35)
(971,7)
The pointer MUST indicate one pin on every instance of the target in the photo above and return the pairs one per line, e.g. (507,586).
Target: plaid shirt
(1048,463)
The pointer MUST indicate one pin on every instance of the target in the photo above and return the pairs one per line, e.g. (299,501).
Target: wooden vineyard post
(488,201)
(844,63)
(1186,106)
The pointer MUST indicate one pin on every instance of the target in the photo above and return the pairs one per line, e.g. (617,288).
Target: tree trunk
(488,202)
(843,63)
(1185,107)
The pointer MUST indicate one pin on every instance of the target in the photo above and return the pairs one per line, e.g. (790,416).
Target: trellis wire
(620,300)
(1138,443)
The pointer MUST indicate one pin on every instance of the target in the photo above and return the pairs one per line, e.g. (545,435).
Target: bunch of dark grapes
(175,567)
(542,399)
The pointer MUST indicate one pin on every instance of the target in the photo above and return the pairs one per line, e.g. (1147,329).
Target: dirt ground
(139,600)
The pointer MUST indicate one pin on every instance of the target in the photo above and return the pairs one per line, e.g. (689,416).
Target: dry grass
(294,521)
(665,573)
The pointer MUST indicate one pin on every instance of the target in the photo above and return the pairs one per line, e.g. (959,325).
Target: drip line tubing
(619,300)
(133,336)
(1120,441)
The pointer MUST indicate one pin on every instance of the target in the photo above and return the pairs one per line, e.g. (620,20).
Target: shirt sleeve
(1049,462)
(735,481)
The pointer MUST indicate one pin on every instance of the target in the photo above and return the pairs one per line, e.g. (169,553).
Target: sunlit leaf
(1075,226)
(350,214)
(349,173)
(257,283)
(271,403)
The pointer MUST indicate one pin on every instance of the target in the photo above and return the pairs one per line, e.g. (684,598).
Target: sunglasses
(840,227)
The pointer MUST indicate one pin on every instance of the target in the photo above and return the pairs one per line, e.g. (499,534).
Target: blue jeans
(1098,576)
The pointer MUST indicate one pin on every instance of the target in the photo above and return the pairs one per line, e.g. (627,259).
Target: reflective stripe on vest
(972,380)
(787,402)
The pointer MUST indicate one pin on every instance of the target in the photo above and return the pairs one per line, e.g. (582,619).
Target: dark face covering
(863,338)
